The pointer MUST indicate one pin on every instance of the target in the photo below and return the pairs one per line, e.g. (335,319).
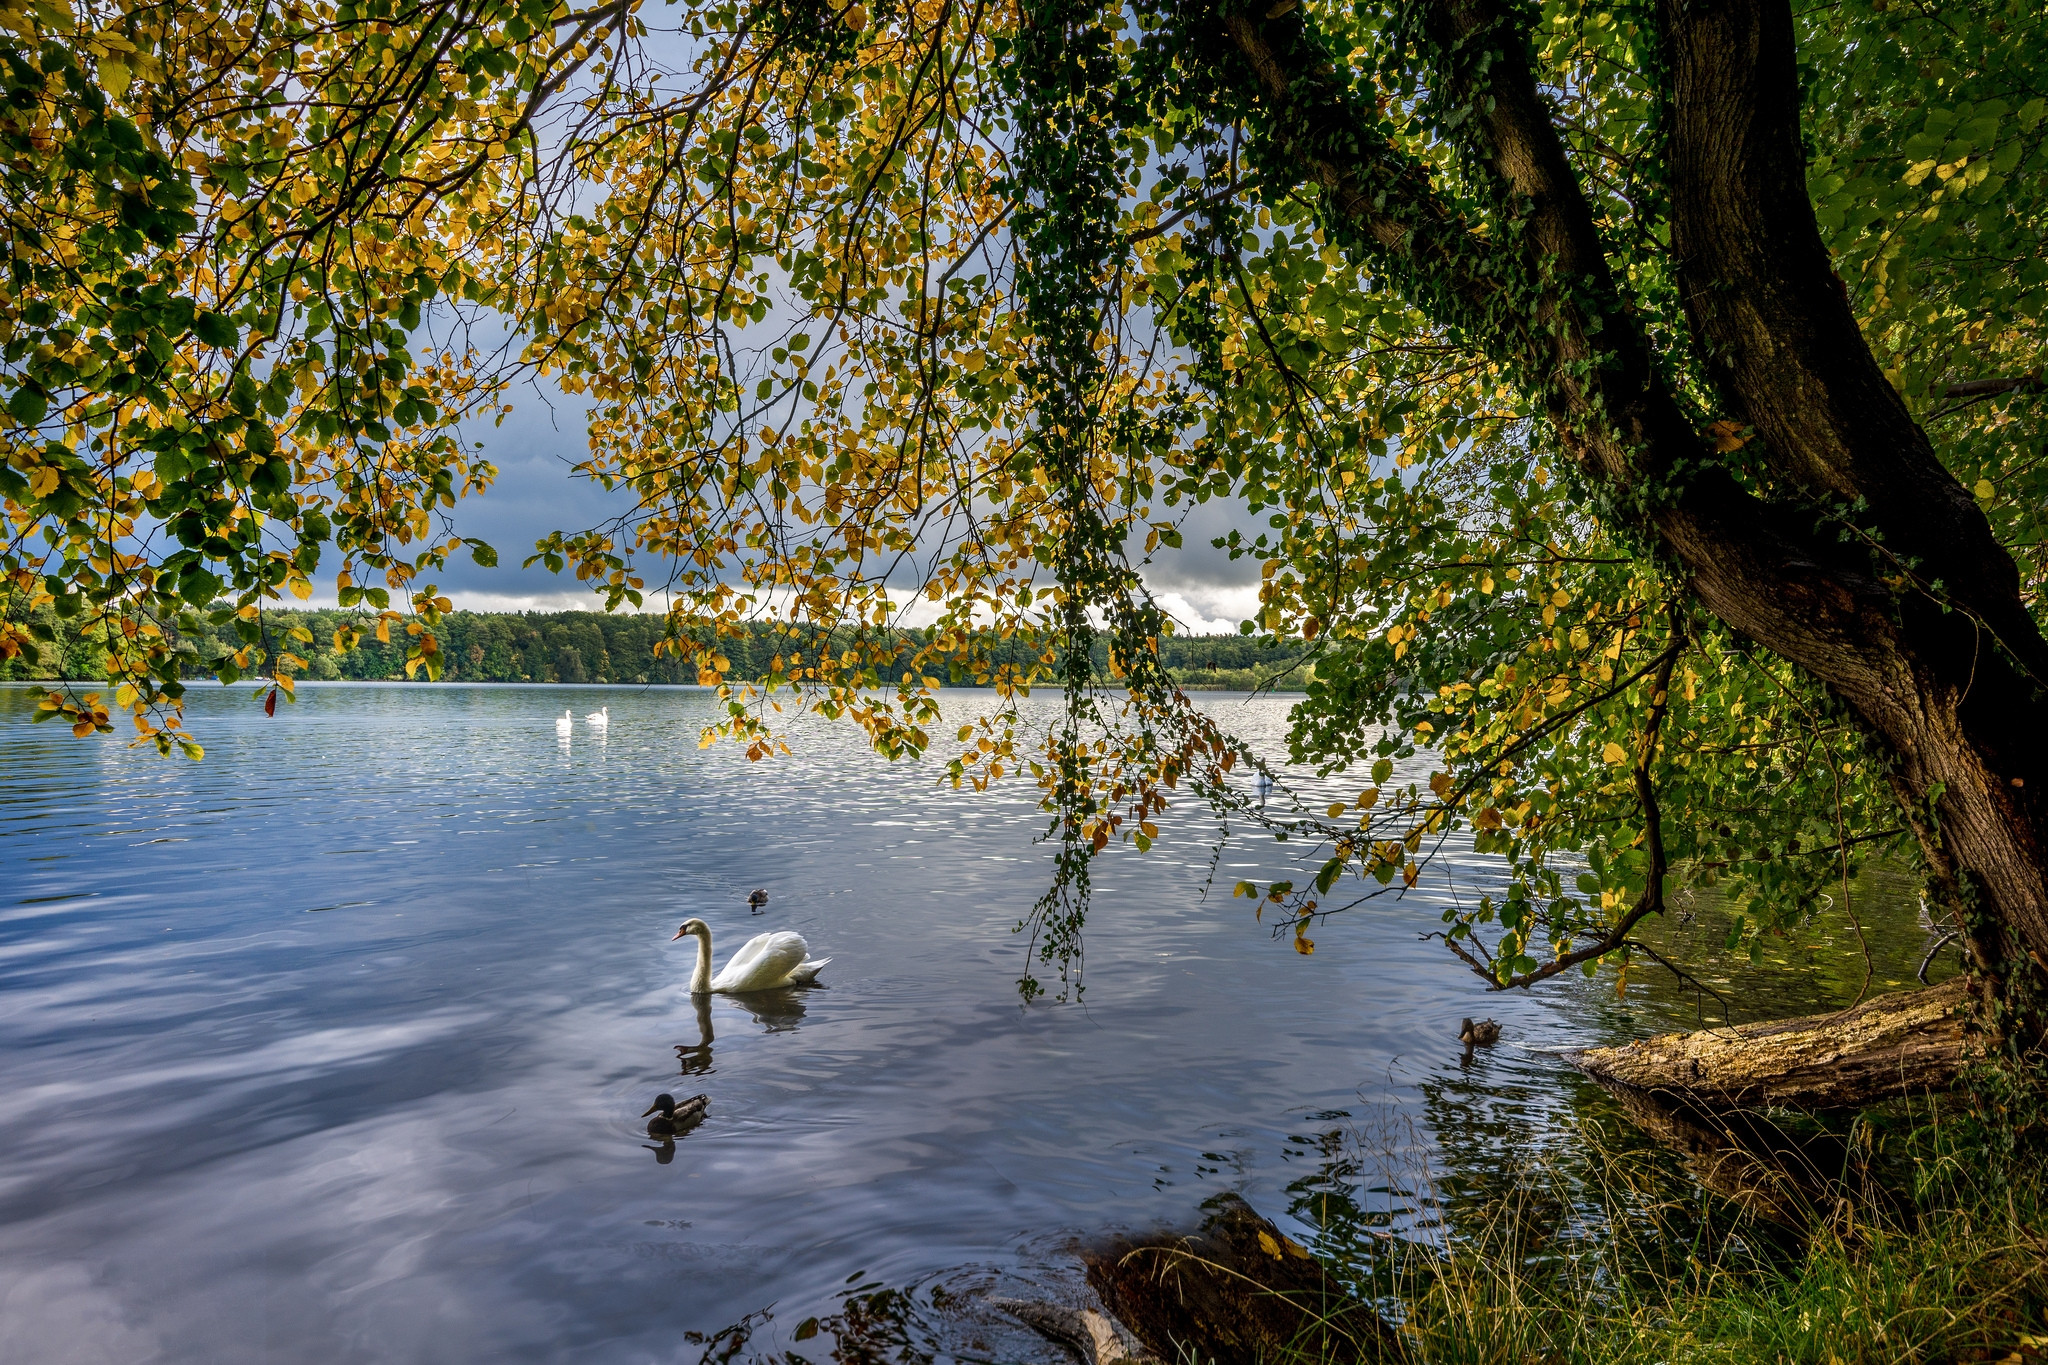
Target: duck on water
(1478,1033)
(671,1118)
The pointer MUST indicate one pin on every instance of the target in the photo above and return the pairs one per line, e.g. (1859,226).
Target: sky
(537,446)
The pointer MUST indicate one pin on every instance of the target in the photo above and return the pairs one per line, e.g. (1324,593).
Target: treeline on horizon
(589,647)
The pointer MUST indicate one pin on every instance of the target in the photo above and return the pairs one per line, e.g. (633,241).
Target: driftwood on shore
(1089,1333)
(1238,1289)
(1894,1045)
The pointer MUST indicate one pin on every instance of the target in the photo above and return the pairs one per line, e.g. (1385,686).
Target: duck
(763,963)
(565,722)
(757,900)
(671,1118)
(1479,1033)
(599,718)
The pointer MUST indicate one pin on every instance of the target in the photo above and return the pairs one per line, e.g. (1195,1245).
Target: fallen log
(1894,1045)
(1237,1290)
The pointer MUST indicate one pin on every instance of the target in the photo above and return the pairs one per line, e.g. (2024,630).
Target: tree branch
(1991,388)
(1652,899)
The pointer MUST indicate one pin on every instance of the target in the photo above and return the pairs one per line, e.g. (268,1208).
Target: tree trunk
(1894,1045)
(1862,559)
(1947,671)
(1238,1290)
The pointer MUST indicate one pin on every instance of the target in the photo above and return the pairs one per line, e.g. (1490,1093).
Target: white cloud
(1197,607)
(1209,609)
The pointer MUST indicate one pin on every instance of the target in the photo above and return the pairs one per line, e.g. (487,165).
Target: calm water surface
(333,1046)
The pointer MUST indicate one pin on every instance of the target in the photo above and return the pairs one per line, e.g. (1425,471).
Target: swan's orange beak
(679,934)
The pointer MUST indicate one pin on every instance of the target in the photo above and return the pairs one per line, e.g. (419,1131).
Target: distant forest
(589,647)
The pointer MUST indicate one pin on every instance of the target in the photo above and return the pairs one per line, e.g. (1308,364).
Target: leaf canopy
(968,306)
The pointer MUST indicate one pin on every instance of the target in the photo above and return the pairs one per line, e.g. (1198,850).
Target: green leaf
(27,406)
(216,330)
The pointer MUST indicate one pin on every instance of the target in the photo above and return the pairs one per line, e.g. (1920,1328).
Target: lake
(334,1046)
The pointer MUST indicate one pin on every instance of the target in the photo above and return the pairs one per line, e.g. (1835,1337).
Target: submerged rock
(1238,1289)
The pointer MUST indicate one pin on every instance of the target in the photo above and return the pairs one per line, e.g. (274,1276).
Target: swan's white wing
(743,956)
(764,961)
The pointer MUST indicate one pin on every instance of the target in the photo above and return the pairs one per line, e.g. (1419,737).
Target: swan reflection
(776,1011)
(695,1059)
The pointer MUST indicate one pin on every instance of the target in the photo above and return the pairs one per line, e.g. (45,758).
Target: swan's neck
(700,980)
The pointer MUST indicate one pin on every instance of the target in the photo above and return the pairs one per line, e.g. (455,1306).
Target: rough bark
(1867,563)
(1894,1045)
(1237,1290)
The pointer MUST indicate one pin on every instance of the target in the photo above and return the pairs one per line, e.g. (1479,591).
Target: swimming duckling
(757,900)
(675,1118)
(1479,1033)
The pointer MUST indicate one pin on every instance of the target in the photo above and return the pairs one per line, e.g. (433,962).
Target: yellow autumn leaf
(114,78)
(1727,436)
(1984,491)
(1614,753)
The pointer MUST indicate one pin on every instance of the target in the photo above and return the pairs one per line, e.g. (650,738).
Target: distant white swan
(601,717)
(765,962)
(565,722)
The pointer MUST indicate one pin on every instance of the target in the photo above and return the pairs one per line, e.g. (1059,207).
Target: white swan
(763,963)
(565,722)
(601,717)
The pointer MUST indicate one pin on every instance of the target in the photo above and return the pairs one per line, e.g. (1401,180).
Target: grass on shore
(1955,1270)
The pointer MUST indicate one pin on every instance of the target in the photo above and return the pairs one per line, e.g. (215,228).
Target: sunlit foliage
(968,305)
